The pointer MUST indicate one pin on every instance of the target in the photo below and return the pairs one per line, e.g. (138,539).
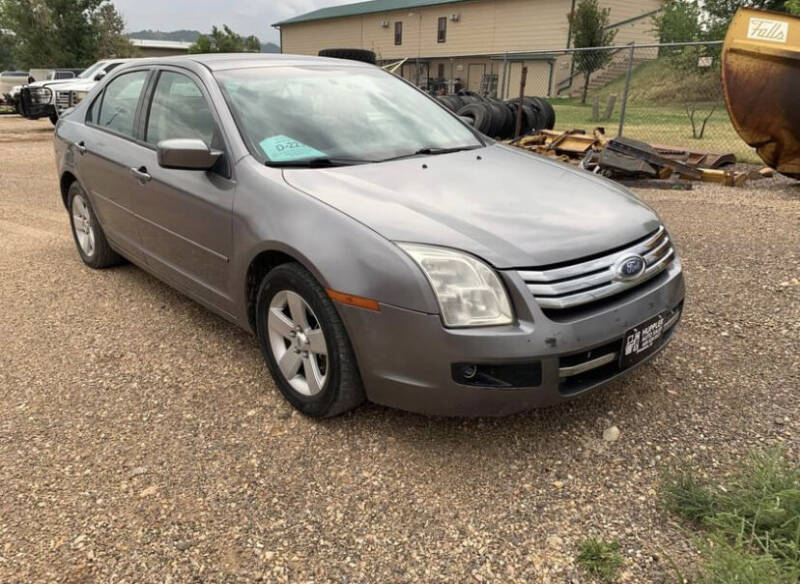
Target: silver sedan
(378,246)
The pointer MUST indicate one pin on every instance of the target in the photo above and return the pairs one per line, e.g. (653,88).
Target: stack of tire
(497,118)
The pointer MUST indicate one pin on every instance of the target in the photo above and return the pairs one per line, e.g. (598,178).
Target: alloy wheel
(297,343)
(82,223)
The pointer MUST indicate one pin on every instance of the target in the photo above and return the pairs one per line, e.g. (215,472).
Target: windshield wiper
(319,162)
(430,151)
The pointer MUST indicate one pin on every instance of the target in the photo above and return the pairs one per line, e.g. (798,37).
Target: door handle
(81,147)
(141,174)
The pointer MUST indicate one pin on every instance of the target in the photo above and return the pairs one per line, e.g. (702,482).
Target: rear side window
(179,110)
(120,98)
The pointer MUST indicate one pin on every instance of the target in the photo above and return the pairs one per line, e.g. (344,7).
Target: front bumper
(31,109)
(407,358)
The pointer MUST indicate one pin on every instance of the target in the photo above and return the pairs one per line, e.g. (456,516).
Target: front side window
(360,114)
(120,98)
(441,30)
(398,33)
(179,110)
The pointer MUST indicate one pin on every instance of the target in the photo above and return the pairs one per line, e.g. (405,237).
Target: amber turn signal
(352,300)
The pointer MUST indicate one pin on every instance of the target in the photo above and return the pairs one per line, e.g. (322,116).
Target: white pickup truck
(37,100)
(70,94)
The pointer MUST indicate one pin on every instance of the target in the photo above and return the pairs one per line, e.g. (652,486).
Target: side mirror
(467,120)
(186,154)
(100,75)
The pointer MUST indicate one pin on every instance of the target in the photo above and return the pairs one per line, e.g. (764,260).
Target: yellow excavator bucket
(761,83)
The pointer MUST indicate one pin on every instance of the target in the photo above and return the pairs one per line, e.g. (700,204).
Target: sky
(246,17)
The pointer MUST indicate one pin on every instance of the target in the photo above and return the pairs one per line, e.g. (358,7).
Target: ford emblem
(629,267)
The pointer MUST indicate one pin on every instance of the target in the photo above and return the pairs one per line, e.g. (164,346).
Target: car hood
(78,86)
(509,207)
(47,83)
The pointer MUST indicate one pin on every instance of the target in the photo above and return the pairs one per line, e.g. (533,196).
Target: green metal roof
(369,7)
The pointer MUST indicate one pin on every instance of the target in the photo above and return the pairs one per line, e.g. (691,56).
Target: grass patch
(750,524)
(600,558)
(656,110)
(657,82)
(660,124)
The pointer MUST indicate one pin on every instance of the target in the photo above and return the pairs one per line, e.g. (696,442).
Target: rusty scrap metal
(624,158)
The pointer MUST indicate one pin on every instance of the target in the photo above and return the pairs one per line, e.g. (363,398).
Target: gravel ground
(142,439)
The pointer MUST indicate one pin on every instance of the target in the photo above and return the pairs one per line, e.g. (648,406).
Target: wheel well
(66,181)
(259,267)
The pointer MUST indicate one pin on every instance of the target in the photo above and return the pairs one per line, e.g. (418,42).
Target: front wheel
(305,344)
(54,119)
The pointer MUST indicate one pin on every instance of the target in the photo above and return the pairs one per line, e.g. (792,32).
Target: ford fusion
(377,246)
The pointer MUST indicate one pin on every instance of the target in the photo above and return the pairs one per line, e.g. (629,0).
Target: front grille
(579,284)
(63,101)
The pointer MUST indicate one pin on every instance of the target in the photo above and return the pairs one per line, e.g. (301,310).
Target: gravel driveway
(142,439)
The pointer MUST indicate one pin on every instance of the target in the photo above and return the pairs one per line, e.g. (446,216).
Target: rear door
(186,214)
(109,151)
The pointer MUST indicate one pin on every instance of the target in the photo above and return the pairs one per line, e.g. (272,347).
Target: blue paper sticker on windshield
(281,148)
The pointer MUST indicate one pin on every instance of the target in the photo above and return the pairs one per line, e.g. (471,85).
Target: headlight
(41,95)
(469,292)
(79,95)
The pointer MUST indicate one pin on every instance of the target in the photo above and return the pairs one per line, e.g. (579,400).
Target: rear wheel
(89,237)
(305,344)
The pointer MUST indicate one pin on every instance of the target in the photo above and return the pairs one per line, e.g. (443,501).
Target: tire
(531,119)
(349,54)
(89,237)
(451,102)
(277,312)
(481,114)
(54,119)
(547,112)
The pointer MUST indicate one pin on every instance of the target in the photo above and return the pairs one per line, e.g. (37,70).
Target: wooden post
(522,81)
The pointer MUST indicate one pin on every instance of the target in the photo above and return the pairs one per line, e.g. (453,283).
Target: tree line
(76,33)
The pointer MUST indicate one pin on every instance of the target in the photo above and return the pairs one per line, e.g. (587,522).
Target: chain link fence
(663,94)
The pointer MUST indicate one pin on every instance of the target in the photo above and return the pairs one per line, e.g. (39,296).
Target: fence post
(627,88)
(523,79)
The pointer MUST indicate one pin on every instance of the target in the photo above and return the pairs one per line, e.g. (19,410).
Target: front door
(185,215)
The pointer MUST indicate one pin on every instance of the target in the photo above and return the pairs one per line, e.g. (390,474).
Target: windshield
(291,114)
(91,70)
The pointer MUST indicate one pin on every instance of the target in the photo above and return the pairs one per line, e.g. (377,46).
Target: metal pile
(626,159)
(497,118)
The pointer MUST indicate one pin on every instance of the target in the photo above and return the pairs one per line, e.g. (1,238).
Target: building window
(398,33)
(440,71)
(441,30)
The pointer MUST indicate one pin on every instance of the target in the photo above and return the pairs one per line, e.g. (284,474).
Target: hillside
(187,36)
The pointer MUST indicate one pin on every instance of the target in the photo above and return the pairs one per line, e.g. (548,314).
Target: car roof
(222,61)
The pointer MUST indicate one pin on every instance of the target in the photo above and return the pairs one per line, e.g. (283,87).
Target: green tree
(109,27)
(793,7)
(6,50)
(225,41)
(60,33)
(720,12)
(589,25)
(678,22)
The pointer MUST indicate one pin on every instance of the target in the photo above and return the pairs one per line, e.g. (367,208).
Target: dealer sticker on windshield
(281,148)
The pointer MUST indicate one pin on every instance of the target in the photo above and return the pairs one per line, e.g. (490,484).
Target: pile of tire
(497,118)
